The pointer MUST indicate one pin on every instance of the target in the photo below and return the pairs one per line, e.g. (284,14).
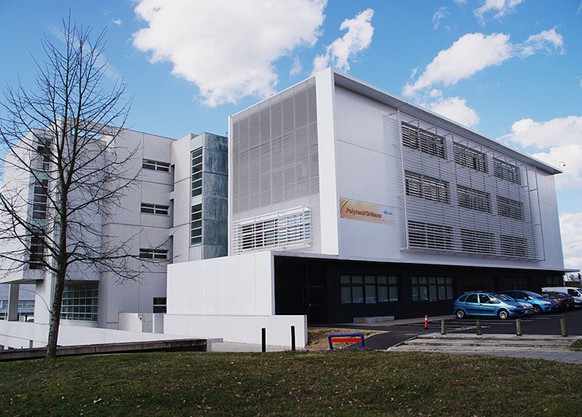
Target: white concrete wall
(18,335)
(240,329)
(230,298)
(235,285)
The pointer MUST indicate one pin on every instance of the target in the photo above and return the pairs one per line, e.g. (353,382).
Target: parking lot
(398,331)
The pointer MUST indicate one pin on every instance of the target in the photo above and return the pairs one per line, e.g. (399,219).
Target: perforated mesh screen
(275,164)
(487,214)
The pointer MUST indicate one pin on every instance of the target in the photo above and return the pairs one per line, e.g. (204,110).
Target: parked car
(573,291)
(565,301)
(540,304)
(486,304)
(528,309)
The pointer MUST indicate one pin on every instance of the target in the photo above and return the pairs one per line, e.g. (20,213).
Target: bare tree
(67,168)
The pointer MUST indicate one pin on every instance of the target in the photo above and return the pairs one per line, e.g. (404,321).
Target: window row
(155,209)
(156,165)
(196,225)
(375,289)
(432,144)
(439,237)
(433,189)
(368,289)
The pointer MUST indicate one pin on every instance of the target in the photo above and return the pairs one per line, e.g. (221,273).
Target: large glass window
(470,158)
(423,140)
(418,185)
(80,301)
(473,199)
(506,171)
(432,288)
(368,289)
(429,236)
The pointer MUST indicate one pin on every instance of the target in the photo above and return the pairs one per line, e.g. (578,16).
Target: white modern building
(339,203)
(347,203)
(165,216)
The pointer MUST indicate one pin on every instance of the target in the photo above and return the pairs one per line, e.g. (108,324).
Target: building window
(159,305)
(368,289)
(40,198)
(43,158)
(158,254)
(154,209)
(156,165)
(429,188)
(473,199)
(513,246)
(477,242)
(510,208)
(80,301)
(429,236)
(196,225)
(36,255)
(506,171)
(282,229)
(196,172)
(470,158)
(432,288)
(423,140)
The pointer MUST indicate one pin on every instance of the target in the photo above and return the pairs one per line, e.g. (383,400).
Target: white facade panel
(236,285)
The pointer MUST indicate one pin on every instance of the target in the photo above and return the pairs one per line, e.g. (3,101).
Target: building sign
(367,212)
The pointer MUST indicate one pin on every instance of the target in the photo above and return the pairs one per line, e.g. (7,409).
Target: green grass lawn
(289,384)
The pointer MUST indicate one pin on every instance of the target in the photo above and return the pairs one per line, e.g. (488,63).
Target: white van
(573,291)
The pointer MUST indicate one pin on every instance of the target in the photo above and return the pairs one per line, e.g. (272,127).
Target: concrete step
(435,342)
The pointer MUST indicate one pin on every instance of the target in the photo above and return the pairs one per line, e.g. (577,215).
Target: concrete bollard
(563,327)
(479,327)
(518,327)
(443,327)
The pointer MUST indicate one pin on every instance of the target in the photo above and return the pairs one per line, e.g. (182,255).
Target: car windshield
(504,297)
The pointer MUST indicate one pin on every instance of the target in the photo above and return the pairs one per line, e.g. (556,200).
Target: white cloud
(357,38)
(557,142)
(439,15)
(116,21)
(296,68)
(499,7)
(545,40)
(455,108)
(468,55)
(227,48)
(571,230)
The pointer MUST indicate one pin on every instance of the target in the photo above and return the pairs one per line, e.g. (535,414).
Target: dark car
(565,301)
(486,304)
(540,304)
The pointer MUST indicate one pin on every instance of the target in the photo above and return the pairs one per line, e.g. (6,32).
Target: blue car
(539,303)
(486,304)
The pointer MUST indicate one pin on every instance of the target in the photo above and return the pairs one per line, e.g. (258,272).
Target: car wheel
(503,314)
(460,314)
(537,308)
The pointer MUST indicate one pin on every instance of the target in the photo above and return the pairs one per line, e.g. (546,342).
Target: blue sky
(509,69)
